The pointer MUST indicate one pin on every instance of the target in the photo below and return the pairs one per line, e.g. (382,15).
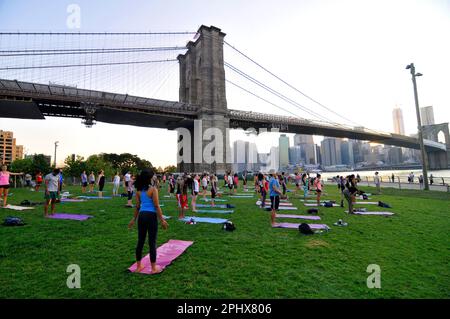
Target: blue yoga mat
(205,220)
(215,206)
(95,197)
(215,211)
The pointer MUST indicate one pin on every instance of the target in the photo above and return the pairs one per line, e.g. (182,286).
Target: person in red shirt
(38,181)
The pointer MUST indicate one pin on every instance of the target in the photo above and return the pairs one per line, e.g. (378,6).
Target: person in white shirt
(377,181)
(204,185)
(230,182)
(116,184)
(127,178)
(51,191)
(195,191)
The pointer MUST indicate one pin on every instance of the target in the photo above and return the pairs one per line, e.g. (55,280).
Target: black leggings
(147,223)
(130,195)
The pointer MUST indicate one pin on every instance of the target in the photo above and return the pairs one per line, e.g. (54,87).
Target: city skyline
(344,80)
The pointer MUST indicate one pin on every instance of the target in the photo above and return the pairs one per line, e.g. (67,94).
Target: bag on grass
(328,204)
(305,229)
(313,211)
(25,202)
(381,204)
(229,226)
(13,221)
(230,206)
(364,196)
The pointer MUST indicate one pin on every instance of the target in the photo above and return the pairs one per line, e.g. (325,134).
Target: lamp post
(419,124)
(56,145)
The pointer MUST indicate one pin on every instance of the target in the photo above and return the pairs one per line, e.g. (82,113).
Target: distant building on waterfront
(283,149)
(9,150)
(331,151)
(399,126)
(427,115)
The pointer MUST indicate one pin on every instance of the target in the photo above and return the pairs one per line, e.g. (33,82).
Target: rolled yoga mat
(14,207)
(165,255)
(215,211)
(292,225)
(204,220)
(69,216)
(297,216)
(322,205)
(372,213)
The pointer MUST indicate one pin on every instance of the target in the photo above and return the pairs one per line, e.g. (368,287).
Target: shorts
(38,183)
(126,183)
(274,202)
(182,201)
(51,195)
(171,189)
(230,186)
(318,191)
(100,187)
(91,182)
(204,187)
(4,186)
(194,193)
(84,184)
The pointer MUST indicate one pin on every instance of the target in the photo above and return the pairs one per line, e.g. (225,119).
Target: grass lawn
(255,261)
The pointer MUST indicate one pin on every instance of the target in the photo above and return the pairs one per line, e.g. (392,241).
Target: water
(398,173)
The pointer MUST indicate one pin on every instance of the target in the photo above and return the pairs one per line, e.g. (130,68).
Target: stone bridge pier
(438,159)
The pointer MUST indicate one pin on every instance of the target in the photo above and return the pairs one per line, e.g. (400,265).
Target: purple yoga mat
(374,213)
(292,225)
(72,200)
(69,216)
(165,254)
(298,216)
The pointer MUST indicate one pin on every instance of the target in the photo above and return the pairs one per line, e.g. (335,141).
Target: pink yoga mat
(165,254)
(298,216)
(69,216)
(292,225)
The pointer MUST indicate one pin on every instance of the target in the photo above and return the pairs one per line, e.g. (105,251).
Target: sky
(349,55)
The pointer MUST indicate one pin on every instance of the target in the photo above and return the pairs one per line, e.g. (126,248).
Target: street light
(56,145)
(419,124)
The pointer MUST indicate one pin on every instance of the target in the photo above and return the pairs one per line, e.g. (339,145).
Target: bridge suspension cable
(289,85)
(276,93)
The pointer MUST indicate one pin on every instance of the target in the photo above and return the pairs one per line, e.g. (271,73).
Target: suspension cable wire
(85,51)
(98,33)
(291,86)
(283,97)
(261,98)
(85,65)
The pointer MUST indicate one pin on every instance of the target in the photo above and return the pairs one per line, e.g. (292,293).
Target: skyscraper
(427,115)
(9,151)
(303,139)
(283,149)
(399,126)
(331,151)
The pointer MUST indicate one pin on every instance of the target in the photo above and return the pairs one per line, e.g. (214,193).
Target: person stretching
(195,190)
(274,192)
(4,184)
(147,212)
(350,192)
(318,187)
(181,196)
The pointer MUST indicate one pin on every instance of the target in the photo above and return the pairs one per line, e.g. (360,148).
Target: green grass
(255,261)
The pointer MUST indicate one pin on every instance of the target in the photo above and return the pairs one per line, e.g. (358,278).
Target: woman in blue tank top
(148,211)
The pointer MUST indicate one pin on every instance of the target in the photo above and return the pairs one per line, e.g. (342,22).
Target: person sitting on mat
(52,181)
(274,192)
(350,192)
(4,184)
(147,212)
(318,186)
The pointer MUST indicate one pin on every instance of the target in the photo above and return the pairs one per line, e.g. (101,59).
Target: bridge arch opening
(441,137)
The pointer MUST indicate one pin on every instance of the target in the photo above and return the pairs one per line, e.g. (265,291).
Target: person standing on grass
(91,182)
(342,182)
(84,181)
(393,178)
(116,184)
(130,191)
(283,183)
(377,181)
(431,179)
(126,179)
(305,183)
(52,188)
(147,213)
(235,182)
(421,181)
(204,185)
(244,180)
(39,180)
(61,180)
(264,188)
(274,192)
(101,183)
(195,191)
(213,189)
(181,195)
(318,187)
(4,184)
(350,192)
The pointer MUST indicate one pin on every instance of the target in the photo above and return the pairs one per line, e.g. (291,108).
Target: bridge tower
(202,83)
(438,159)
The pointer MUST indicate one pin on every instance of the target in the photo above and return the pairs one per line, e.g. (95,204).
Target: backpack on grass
(304,228)
(229,226)
(25,202)
(313,211)
(13,221)
(381,204)
(328,204)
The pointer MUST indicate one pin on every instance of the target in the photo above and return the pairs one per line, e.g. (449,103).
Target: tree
(126,162)
(74,166)
(170,169)
(31,165)
(96,163)
(22,166)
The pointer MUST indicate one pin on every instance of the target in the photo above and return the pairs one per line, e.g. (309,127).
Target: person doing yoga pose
(147,212)
(350,192)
